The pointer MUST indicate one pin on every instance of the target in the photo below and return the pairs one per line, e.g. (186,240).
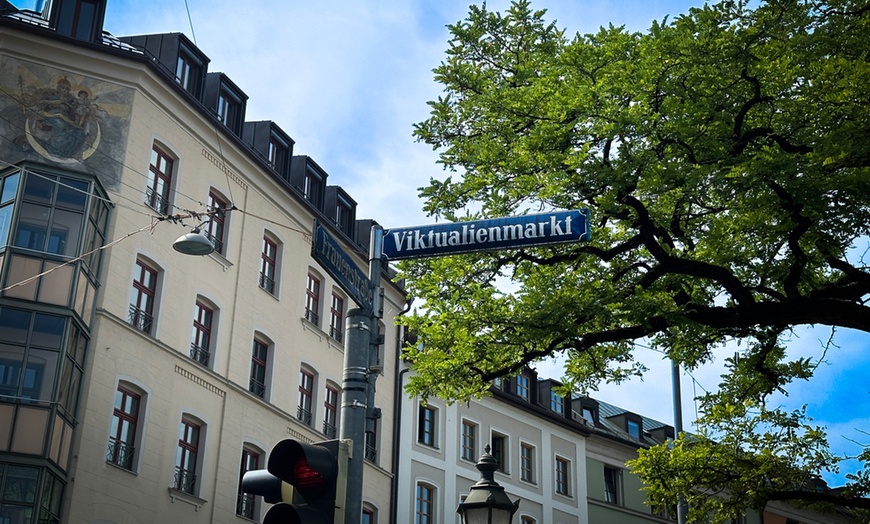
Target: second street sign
(487,235)
(353,280)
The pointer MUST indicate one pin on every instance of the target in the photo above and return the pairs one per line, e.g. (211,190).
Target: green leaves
(725,159)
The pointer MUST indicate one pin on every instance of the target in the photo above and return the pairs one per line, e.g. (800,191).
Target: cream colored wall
(160,365)
(454,476)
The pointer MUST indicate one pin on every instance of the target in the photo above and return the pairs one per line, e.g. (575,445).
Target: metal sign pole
(357,404)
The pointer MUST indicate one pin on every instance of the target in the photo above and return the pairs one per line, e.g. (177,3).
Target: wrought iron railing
(199,354)
(120,453)
(257,388)
(312,316)
(304,415)
(329,429)
(267,283)
(184,480)
(336,333)
(140,319)
(156,201)
(245,505)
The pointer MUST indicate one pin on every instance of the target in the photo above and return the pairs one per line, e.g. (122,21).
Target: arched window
(205,322)
(125,431)
(160,173)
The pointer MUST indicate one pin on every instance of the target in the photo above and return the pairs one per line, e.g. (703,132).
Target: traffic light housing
(306,482)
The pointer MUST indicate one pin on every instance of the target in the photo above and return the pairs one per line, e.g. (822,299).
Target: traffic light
(306,482)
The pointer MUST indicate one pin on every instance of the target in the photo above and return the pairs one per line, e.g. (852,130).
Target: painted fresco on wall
(71,120)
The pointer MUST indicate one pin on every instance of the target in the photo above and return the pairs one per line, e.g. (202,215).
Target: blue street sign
(353,280)
(487,235)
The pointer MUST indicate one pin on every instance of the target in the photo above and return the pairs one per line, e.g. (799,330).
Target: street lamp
(193,243)
(487,502)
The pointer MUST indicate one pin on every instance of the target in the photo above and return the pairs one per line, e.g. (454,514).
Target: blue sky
(347,79)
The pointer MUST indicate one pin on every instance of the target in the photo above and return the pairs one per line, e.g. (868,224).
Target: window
(336,317)
(200,345)
(527,462)
(159,180)
(306,396)
(613,485)
(371,442)
(80,19)
(424,509)
(313,188)
(259,366)
(563,477)
(122,436)
(523,387)
(330,411)
(527,519)
(312,299)
(188,72)
(8,194)
(21,499)
(426,425)
(589,414)
(469,441)
(217,223)
(186,456)
(142,297)
(51,215)
(228,109)
(368,516)
(499,451)
(279,155)
(344,216)
(632,427)
(246,502)
(268,263)
(557,403)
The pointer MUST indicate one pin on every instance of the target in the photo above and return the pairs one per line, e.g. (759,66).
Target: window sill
(187,498)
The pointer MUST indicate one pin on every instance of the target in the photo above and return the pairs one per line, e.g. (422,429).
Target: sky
(347,79)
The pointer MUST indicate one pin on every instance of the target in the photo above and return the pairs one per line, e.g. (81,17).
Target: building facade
(539,446)
(138,383)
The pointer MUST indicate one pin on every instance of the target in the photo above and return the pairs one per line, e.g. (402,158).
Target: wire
(155,220)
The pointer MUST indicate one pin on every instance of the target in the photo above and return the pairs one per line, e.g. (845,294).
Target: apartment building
(138,383)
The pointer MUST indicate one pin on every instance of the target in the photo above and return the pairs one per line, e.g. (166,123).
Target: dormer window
(632,427)
(226,100)
(313,187)
(79,19)
(279,154)
(228,109)
(188,72)
(523,387)
(344,216)
(557,403)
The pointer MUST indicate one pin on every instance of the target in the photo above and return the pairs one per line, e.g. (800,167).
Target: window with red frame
(159,180)
(186,457)
(125,420)
(259,360)
(200,346)
(336,317)
(217,207)
(268,263)
(306,396)
(142,295)
(312,299)
(330,413)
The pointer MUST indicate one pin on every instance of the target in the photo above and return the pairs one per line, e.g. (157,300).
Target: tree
(725,159)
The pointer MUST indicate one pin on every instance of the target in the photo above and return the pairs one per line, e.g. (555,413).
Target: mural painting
(48,115)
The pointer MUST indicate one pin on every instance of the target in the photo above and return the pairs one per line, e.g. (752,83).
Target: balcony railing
(156,201)
(304,415)
(245,505)
(329,429)
(336,333)
(257,388)
(184,480)
(140,319)
(311,316)
(120,453)
(371,454)
(199,354)
(267,283)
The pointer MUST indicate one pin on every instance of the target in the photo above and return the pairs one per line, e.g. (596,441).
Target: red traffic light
(310,468)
